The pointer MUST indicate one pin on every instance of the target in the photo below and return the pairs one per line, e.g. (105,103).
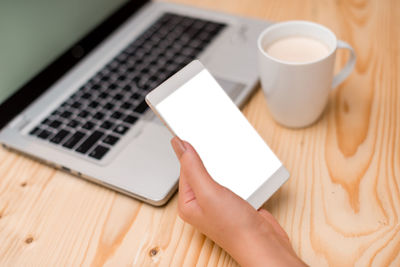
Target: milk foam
(297,49)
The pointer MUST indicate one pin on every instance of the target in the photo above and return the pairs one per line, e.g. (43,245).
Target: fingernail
(178,146)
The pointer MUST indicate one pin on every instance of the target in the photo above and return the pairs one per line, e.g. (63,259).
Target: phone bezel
(174,83)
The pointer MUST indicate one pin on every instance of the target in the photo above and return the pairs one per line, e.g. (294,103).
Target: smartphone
(194,107)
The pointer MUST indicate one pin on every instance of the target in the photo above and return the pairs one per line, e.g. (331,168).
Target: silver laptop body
(142,164)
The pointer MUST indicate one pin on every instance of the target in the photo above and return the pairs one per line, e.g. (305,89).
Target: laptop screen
(34,33)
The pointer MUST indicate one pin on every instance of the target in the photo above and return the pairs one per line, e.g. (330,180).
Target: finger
(195,173)
(178,146)
(273,222)
(192,168)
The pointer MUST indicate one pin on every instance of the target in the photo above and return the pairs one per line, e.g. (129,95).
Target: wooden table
(341,206)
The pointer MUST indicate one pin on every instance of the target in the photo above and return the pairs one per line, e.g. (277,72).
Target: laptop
(74,76)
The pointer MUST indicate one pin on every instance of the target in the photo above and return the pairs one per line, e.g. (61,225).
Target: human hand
(251,237)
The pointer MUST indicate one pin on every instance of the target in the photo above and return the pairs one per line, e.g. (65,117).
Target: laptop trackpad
(233,89)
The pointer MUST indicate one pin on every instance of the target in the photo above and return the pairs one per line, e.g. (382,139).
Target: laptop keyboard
(100,112)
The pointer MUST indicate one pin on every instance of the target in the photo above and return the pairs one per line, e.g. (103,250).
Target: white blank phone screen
(201,113)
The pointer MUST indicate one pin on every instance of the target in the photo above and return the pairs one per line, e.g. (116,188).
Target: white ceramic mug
(297,93)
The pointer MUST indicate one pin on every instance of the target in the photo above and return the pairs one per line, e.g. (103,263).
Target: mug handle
(342,75)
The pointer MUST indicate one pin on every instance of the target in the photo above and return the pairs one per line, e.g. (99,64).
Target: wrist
(260,246)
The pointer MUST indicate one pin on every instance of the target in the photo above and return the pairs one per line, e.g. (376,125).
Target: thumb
(192,169)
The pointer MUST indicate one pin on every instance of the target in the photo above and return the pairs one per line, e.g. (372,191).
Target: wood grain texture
(341,206)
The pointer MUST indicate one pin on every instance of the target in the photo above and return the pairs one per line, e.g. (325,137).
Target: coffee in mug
(299,49)
(296,61)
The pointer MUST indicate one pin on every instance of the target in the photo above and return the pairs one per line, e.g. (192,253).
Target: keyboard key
(126,105)
(66,114)
(145,71)
(135,96)
(146,88)
(121,129)
(83,114)
(127,88)
(35,131)
(55,124)
(103,95)
(114,70)
(73,140)
(153,78)
(109,106)
(199,24)
(59,136)
(76,105)
(99,115)
(55,112)
(136,79)
(74,96)
(112,86)
(188,51)
(121,58)
(99,152)
(110,140)
(44,134)
(118,96)
(86,96)
(96,87)
(88,125)
(89,142)
(84,88)
(130,119)
(105,78)
(64,104)
(94,104)
(210,27)
(142,107)
(171,66)
(107,125)
(46,121)
(73,124)
(205,36)
(116,115)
